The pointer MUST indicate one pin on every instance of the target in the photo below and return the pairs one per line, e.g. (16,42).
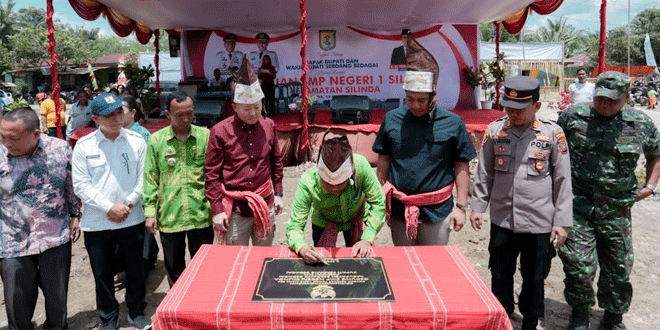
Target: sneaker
(141,322)
(579,321)
(112,325)
(612,321)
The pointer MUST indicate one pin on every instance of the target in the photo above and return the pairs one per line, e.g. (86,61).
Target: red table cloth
(435,287)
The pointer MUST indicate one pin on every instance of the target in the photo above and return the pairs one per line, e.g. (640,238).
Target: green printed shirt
(604,151)
(312,199)
(174,180)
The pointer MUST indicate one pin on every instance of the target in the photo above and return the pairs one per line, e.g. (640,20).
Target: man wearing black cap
(423,150)
(524,174)
(229,58)
(606,139)
(255,57)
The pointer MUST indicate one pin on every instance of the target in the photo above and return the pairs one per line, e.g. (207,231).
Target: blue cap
(105,104)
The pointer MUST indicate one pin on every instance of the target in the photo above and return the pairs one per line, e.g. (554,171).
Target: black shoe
(579,320)
(529,323)
(612,321)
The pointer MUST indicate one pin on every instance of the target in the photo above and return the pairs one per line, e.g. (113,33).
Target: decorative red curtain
(515,23)
(498,34)
(53,67)
(122,25)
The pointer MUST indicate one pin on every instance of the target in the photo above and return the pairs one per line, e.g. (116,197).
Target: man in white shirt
(230,57)
(107,168)
(255,57)
(581,91)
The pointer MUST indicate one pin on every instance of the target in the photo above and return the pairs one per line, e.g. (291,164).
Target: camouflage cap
(612,84)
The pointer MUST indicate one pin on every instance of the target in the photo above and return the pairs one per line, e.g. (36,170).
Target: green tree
(7,21)
(31,17)
(487,31)
(644,22)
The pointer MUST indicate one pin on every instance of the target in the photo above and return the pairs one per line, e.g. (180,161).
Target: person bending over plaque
(342,194)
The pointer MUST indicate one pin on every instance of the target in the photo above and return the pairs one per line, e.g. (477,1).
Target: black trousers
(174,249)
(101,247)
(317,232)
(21,278)
(536,253)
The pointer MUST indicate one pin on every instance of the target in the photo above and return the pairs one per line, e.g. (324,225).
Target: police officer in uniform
(255,57)
(229,58)
(524,173)
(606,139)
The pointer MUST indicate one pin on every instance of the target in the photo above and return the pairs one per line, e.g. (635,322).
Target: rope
(53,67)
(303,77)
(498,34)
(157,61)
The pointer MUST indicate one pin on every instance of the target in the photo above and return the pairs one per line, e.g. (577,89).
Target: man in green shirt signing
(174,197)
(342,193)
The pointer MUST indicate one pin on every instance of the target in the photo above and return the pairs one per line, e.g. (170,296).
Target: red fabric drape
(92,10)
(53,67)
(603,36)
(305,91)
(498,34)
(542,7)
(157,61)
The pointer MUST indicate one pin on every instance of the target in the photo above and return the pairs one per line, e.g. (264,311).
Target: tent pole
(157,61)
(603,37)
(498,34)
(305,91)
(53,68)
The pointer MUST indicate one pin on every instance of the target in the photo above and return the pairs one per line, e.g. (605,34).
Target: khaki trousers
(428,233)
(240,230)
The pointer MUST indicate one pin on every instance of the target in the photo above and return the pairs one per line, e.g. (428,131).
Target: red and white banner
(348,60)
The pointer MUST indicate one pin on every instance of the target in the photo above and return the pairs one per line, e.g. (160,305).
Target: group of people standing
(566,186)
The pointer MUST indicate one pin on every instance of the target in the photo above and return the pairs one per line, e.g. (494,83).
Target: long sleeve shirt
(312,198)
(174,180)
(106,173)
(242,157)
(37,199)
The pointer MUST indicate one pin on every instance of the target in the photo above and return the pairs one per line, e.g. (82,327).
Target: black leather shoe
(612,321)
(529,323)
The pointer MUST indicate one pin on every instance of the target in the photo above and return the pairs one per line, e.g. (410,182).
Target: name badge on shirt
(93,156)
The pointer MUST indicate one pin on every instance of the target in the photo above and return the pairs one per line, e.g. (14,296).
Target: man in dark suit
(399,53)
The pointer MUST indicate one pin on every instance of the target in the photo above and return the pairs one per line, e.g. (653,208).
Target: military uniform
(604,155)
(229,60)
(255,57)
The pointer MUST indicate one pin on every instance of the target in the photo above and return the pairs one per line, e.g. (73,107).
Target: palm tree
(557,31)
(7,21)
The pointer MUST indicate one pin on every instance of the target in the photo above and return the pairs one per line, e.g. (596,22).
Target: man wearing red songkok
(244,168)
(423,150)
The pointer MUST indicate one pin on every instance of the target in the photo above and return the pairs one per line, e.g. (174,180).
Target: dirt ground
(643,312)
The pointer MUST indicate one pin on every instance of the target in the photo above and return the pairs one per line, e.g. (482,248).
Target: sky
(583,14)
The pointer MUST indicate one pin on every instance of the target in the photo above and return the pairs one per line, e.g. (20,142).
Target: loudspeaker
(350,109)
(175,45)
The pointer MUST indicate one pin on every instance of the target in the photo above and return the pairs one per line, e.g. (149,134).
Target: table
(435,287)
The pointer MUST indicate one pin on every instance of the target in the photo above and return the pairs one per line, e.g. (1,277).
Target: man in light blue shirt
(107,169)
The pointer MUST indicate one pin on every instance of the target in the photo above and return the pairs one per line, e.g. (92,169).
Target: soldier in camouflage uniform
(606,139)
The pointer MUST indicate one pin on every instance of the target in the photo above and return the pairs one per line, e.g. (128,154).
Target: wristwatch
(653,189)
(461,206)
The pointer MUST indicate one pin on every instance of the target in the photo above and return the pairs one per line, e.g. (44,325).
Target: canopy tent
(143,17)
(523,51)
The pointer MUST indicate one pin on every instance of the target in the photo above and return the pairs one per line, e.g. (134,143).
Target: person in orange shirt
(49,115)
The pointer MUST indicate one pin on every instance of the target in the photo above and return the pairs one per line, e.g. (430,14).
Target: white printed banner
(345,60)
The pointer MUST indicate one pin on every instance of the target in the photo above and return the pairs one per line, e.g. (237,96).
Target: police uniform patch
(539,165)
(500,149)
(563,148)
(508,123)
(542,137)
(499,161)
(540,154)
(560,136)
(535,124)
(502,134)
(485,138)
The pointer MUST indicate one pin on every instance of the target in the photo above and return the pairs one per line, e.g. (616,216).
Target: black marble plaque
(341,280)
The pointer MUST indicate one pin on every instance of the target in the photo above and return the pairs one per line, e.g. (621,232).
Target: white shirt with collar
(581,93)
(107,172)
